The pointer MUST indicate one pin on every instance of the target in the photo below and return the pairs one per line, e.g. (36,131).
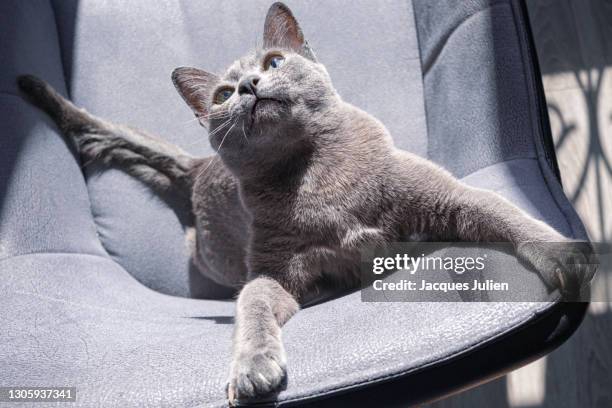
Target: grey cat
(309,179)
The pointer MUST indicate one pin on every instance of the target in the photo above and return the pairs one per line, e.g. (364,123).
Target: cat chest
(334,227)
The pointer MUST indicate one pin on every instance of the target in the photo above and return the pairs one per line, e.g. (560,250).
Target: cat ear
(195,86)
(281,30)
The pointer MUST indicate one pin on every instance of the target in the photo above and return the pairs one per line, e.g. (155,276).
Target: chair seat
(122,344)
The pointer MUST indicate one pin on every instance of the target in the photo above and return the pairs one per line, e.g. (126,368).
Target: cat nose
(248,85)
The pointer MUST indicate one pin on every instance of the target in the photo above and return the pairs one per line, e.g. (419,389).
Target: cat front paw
(568,266)
(257,372)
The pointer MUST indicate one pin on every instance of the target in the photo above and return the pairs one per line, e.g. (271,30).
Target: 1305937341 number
(37,394)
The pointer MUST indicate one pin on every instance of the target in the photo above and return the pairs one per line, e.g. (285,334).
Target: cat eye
(223,95)
(274,61)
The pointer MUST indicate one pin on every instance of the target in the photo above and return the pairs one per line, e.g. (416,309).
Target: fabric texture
(87,277)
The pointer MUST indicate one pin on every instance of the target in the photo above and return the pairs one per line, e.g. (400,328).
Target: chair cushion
(85,322)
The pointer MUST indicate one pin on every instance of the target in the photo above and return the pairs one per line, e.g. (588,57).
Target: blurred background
(573,39)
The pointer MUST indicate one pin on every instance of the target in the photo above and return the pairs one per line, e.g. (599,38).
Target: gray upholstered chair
(96,289)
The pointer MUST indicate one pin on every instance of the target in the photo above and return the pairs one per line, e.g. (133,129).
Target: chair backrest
(479,107)
(44,204)
(118,57)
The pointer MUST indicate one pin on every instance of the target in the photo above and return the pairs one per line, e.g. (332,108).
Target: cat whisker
(206,117)
(220,145)
(220,128)
(216,157)
(215,115)
(190,121)
(224,136)
(228,119)
(244,133)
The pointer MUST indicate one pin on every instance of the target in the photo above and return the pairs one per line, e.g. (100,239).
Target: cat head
(267,98)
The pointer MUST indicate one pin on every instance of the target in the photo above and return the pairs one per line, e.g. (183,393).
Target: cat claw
(256,375)
(567,266)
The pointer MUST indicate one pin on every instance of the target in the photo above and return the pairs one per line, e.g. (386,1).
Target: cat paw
(568,266)
(257,373)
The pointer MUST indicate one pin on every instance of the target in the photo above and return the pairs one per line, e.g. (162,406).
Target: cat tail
(157,163)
